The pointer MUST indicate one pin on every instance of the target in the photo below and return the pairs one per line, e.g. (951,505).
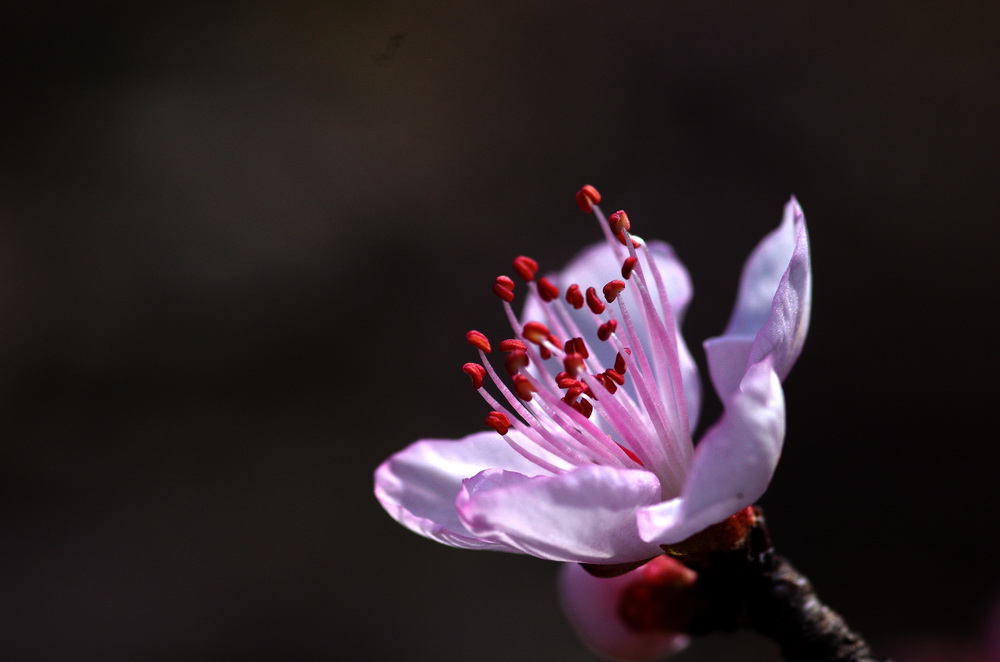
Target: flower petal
(733,463)
(771,316)
(596,265)
(592,606)
(586,515)
(418,485)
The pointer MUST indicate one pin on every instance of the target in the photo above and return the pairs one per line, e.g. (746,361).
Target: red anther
(572,393)
(613,289)
(609,385)
(574,296)
(595,304)
(619,222)
(544,353)
(584,407)
(498,422)
(515,361)
(605,330)
(523,388)
(628,266)
(503,287)
(525,267)
(632,456)
(568,382)
(573,363)
(478,340)
(512,344)
(615,376)
(620,366)
(547,290)
(587,197)
(536,332)
(476,373)
(577,346)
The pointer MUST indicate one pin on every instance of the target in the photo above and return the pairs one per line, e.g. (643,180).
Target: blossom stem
(756,587)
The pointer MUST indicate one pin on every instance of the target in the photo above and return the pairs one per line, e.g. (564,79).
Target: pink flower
(594,460)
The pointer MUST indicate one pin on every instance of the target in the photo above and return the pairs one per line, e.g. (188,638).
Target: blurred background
(240,244)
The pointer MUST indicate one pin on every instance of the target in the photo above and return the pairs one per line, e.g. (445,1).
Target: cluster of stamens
(554,412)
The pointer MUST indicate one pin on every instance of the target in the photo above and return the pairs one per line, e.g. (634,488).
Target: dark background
(240,245)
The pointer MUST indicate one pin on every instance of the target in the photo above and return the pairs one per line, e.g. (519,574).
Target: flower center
(566,407)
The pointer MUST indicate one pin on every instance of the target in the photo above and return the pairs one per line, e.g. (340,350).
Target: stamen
(523,387)
(547,290)
(574,297)
(536,332)
(479,341)
(573,364)
(498,422)
(526,268)
(503,287)
(512,344)
(613,289)
(620,366)
(619,222)
(515,361)
(595,304)
(587,197)
(628,266)
(605,330)
(615,376)
(476,373)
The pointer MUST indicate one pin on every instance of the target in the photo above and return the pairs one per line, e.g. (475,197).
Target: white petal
(732,465)
(592,607)
(418,485)
(771,316)
(586,515)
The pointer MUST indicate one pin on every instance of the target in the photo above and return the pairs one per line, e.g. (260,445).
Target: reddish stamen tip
(605,330)
(615,376)
(620,366)
(573,364)
(479,341)
(516,360)
(525,267)
(613,289)
(476,373)
(536,332)
(498,422)
(574,296)
(503,287)
(595,304)
(619,222)
(628,266)
(512,344)
(587,197)
(547,290)
(523,388)
(544,353)
(609,385)
(584,407)
(577,346)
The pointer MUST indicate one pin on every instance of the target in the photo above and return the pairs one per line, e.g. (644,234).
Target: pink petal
(771,316)
(586,515)
(733,463)
(418,485)
(592,607)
